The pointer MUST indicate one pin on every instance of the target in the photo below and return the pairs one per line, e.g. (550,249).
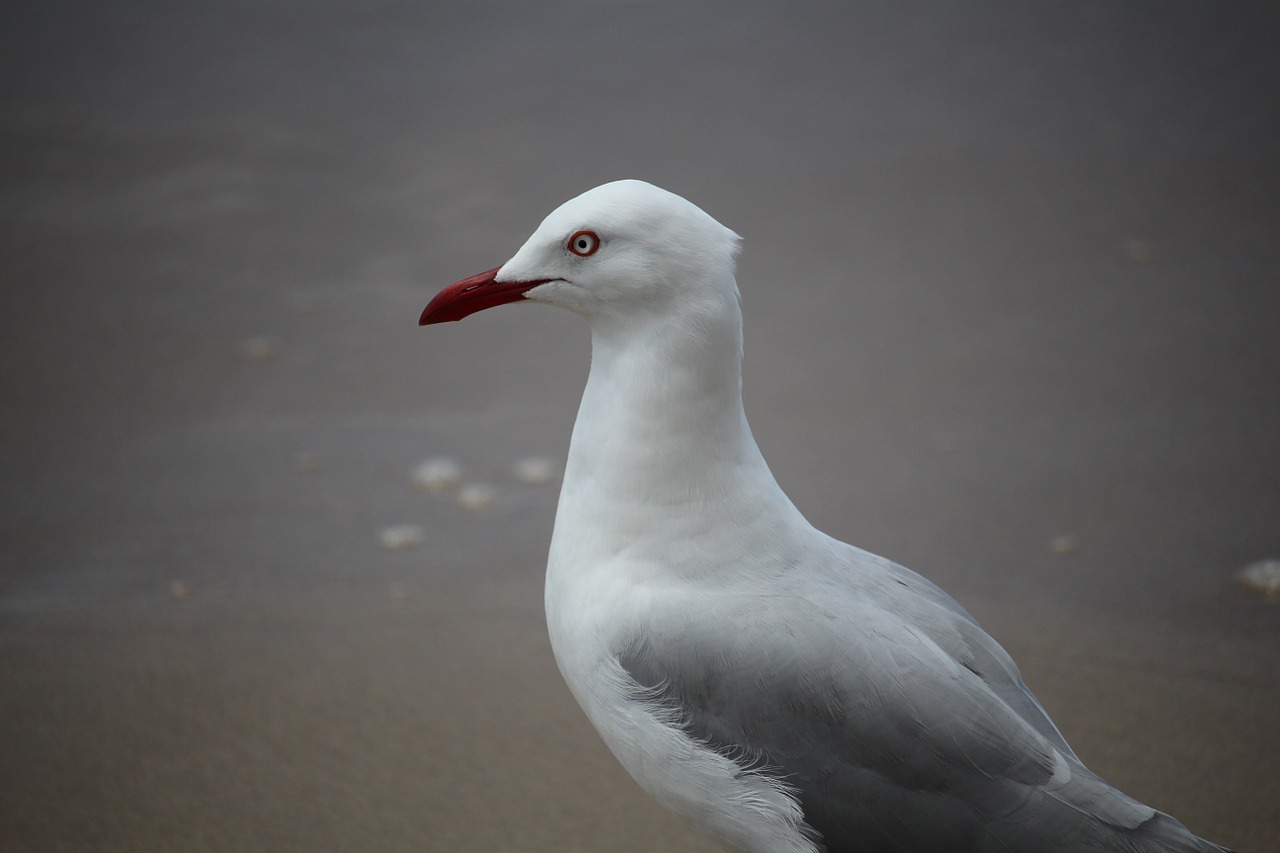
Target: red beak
(473,294)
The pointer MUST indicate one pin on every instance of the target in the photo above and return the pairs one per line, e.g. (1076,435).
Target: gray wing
(941,617)
(895,735)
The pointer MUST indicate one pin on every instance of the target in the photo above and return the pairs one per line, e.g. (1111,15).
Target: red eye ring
(583,243)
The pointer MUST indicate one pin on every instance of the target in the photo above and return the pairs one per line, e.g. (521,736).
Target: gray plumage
(917,734)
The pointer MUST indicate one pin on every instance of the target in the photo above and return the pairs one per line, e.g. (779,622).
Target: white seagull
(784,691)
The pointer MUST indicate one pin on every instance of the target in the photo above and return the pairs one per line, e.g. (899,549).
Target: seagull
(782,690)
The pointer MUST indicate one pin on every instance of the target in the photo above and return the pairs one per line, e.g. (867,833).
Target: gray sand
(1012,288)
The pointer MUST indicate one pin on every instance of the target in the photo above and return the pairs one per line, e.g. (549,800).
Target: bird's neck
(661,443)
(662,410)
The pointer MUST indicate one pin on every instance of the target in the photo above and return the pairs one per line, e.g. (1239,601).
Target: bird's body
(783,690)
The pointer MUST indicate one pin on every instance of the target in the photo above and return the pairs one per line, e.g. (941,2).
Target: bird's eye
(584,243)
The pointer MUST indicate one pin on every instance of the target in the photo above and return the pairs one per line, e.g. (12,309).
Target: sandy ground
(1012,286)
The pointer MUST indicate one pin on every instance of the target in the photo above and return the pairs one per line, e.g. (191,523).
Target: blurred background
(1011,283)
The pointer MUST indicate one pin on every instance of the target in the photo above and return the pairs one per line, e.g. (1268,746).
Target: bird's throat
(661,420)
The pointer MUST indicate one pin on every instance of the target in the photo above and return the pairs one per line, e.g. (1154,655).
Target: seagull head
(624,249)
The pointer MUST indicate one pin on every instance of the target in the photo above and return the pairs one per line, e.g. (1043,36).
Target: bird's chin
(475,293)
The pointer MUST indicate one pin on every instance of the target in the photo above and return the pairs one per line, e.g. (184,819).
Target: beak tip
(464,298)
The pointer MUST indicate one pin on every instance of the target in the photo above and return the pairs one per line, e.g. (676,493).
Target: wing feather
(903,728)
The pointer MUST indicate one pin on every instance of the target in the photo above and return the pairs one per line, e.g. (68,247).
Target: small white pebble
(306,463)
(303,303)
(1262,577)
(944,442)
(437,475)
(535,470)
(1063,545)
(476,496)
(261,348)
(402,537)
(179,590)
(1138,251)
